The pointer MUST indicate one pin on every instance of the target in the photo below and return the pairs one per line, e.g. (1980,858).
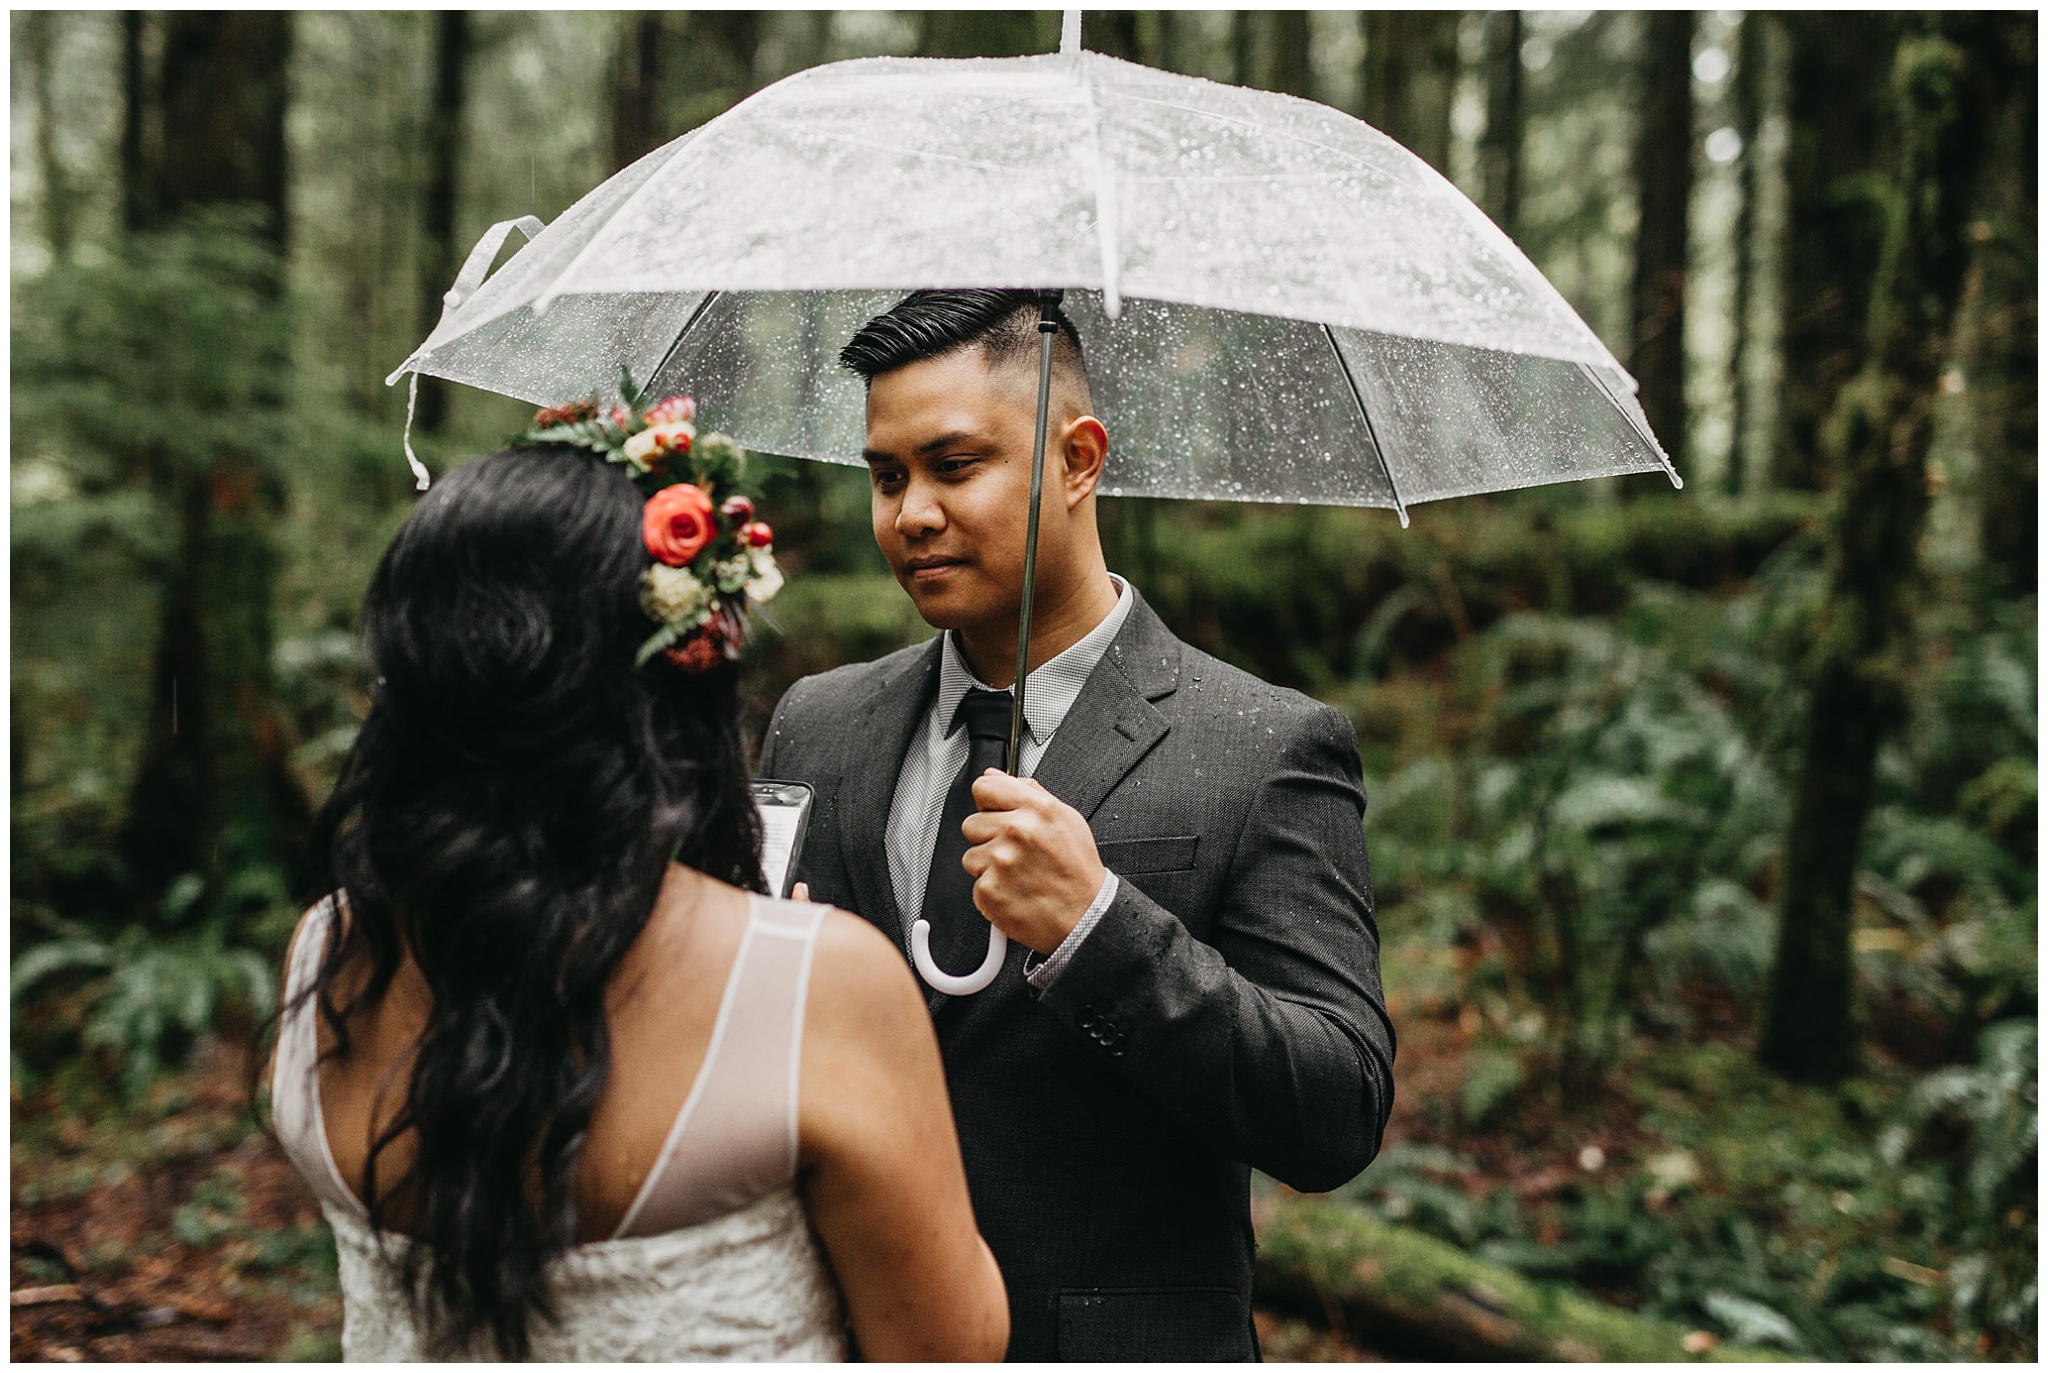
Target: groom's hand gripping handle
(1033,860)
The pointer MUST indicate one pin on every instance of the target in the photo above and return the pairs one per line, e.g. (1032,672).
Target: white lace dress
(715,1259)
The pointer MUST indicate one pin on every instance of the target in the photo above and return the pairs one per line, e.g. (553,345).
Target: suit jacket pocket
(1207,1324)
(1129,857)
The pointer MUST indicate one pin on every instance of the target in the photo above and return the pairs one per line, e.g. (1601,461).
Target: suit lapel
(1113,723)
(879,733)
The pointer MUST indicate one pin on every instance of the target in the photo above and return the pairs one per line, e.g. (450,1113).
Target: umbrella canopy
(1279,302)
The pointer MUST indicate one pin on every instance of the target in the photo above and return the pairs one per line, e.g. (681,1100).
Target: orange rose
(677,524)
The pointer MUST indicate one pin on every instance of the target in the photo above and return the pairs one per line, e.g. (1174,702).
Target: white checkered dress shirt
(936,755)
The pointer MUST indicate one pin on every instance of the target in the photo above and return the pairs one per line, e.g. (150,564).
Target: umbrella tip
(1070,32)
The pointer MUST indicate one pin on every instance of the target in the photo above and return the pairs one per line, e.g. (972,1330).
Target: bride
(568,1087)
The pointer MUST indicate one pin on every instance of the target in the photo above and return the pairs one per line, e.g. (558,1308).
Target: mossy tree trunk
(1411,78)
(214,794)
(1663,195)
(1838,134)
(983,33)
(1878,437)
(1500,147)
(1748,101)
(638,126)
(39,32)
(438,249)
(2001,356)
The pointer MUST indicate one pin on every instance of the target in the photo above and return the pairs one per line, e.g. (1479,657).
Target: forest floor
(176,1230)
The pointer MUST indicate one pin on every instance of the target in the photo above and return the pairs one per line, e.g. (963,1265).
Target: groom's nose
(921,514)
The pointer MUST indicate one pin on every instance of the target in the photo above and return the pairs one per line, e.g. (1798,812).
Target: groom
(1193,987)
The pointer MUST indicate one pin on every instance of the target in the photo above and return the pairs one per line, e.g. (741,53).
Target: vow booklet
(785,809)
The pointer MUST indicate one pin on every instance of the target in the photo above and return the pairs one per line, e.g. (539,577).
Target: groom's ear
(1087,448)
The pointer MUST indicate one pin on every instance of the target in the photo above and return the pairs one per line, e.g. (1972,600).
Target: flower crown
(712,563)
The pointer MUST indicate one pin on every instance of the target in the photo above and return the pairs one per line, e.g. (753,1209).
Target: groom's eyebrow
(952,439)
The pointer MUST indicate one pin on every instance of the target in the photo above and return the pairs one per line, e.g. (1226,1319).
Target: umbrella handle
(941,981)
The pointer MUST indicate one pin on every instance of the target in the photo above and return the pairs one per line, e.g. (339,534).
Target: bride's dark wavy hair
(506,818)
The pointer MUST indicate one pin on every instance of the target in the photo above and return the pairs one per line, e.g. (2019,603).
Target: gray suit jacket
(1225,1014)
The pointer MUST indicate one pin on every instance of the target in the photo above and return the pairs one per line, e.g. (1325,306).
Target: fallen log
(1409,1295)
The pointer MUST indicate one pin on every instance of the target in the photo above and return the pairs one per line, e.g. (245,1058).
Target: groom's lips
(932,569)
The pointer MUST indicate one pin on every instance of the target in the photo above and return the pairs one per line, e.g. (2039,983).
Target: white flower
(674,596)
(734,573)
(767,576)
(658,438)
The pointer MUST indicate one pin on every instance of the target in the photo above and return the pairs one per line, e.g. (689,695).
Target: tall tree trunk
(40,38)
(444,157)
(1411,77)
(979,33)
(1174,41)
(214,793)
(1113,33)
(1878,436)
(1291,72)
(223,93)
(1500,147)
(638,126)
(138,195)
(2002,352)
(1834,114)
(1748,100)
(1663,194)
(720,50)
(1244,48)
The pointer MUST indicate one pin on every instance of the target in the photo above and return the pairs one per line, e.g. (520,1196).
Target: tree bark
(1407,1295)
(1663,195)
(638,127)
(138,200)
(1500,147)
(1291,72)
(1834,114)
(39,35)
(1411,77)
(438,252)
(2001,355)
(1878,437)
(214,793)
(980,33)
(1748,101)
(223,94)
(1114,33)
(719,49)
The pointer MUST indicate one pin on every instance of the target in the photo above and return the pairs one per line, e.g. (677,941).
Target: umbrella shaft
(1046,329)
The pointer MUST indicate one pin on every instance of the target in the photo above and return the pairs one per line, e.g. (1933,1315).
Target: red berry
(758,535)
(737,508)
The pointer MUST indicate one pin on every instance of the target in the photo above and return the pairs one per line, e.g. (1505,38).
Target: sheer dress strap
(295,1080)
(735,1139)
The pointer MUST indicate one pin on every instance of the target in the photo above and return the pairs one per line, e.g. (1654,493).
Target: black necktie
(959,933)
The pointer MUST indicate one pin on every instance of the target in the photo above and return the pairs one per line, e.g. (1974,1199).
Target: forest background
(1703,821)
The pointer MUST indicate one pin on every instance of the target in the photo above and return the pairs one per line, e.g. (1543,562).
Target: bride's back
(564,1086)
(695,1243)
(662,1009)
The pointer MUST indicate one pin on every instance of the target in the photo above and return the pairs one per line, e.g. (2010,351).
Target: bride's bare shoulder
(860,983)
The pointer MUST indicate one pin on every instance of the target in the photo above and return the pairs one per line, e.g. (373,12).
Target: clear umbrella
(1278,302)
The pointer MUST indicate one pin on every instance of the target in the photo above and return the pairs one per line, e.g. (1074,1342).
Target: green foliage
(1783,1217)
(152,352)
(147,995)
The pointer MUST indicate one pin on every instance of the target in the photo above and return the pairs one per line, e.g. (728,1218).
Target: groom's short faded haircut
(1002,324)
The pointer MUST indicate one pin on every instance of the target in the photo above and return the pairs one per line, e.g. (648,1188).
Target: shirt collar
(1054,686)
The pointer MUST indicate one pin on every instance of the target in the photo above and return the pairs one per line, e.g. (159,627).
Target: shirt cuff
(1042,976)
